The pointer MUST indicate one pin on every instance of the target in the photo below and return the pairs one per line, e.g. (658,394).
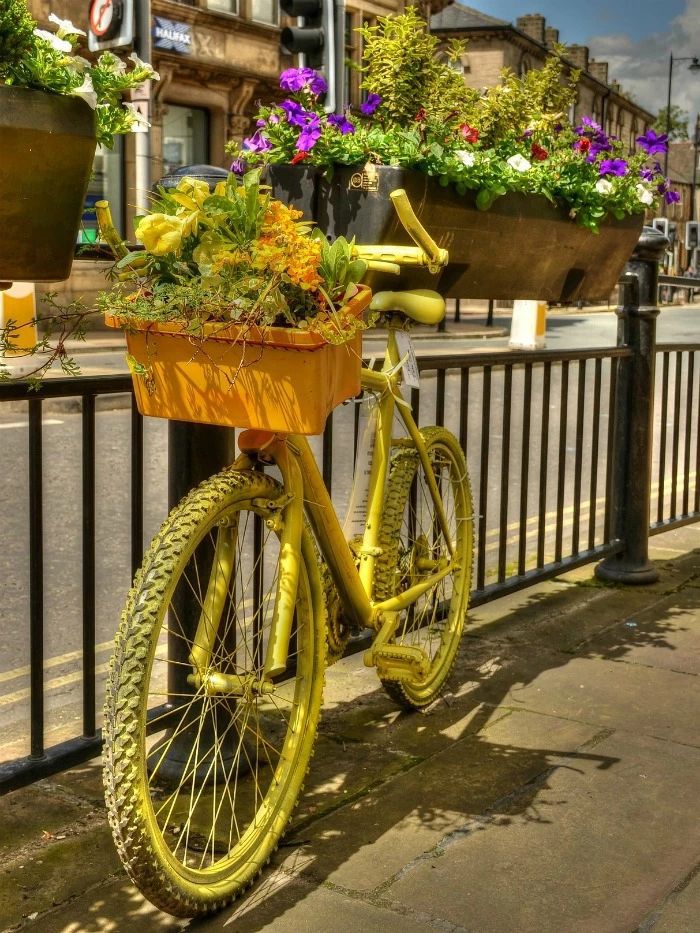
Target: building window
(185,137)
(265,11)
(106,183)
(223,6)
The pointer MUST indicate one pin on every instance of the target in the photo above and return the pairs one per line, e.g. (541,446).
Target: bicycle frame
(305,491)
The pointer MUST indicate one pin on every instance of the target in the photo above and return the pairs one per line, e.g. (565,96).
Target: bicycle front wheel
(201,782)
(413,546)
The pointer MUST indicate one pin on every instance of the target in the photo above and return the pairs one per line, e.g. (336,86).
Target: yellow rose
(160,233)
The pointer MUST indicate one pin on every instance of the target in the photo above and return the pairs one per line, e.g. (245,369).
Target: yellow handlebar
(437,257)
(426,253)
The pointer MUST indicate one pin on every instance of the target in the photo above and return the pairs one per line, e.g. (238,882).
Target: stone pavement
(555,788)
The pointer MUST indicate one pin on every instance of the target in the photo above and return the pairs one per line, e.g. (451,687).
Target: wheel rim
(219,808)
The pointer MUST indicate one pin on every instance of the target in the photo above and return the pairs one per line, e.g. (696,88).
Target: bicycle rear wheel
(412,547)
(201,783)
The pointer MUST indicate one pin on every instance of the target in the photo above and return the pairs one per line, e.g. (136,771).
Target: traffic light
(692,229)
(315,37)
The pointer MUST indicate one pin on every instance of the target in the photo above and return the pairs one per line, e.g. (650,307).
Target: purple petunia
(310,134)
(588,126)
(257,143)
(664,188)
(341,122)
(612,167)
(672,196)
(295,113)
(371,104)
(238,166)
(653,144)
(296,79)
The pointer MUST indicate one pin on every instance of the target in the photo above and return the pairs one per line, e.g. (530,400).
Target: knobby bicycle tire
(258,744)
(408,535)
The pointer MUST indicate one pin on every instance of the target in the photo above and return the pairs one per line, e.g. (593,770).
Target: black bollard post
(634,416)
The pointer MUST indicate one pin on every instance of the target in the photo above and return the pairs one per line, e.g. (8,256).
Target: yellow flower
(195,188)
(160,233)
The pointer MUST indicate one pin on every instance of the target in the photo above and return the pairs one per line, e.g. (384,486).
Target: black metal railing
(569,451)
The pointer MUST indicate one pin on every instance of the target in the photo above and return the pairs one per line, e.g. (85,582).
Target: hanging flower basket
(522,247)
(47,143)
(277,378)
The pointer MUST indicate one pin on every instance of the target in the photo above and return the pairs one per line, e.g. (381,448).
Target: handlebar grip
(415,229)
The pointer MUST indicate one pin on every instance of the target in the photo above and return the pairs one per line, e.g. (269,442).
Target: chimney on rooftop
(532,25)
(578,54)
(551,36)
(599,70)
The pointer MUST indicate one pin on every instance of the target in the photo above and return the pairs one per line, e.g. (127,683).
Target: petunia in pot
(55,107)
(510,152)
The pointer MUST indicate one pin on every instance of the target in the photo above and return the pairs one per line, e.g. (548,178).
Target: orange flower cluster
(284,247)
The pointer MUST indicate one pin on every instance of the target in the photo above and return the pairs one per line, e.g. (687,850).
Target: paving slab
(595,849)
(680,912)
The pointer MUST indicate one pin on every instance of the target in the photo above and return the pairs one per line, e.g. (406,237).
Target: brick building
(495,44)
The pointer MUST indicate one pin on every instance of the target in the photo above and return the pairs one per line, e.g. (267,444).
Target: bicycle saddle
(421,304)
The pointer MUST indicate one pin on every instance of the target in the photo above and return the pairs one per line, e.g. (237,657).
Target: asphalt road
(63,517)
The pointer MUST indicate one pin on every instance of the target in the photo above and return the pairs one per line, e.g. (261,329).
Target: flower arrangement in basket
(419,114)
(236,312)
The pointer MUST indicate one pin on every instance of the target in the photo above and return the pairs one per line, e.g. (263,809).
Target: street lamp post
(693,66)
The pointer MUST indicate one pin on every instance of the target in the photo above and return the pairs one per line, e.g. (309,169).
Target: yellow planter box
(278,378)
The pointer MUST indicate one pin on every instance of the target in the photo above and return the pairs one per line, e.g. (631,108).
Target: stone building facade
(495,44)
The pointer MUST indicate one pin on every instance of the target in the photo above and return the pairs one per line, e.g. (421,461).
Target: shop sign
(170,35)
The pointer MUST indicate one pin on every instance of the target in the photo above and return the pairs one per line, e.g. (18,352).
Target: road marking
(23,424)
(52,662)
(54,684)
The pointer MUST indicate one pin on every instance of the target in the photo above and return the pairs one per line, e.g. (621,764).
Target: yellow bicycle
(215,686)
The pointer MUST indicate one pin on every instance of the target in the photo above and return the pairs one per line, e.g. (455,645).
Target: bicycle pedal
(400,662)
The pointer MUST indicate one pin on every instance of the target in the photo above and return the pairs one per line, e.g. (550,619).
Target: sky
(636,37)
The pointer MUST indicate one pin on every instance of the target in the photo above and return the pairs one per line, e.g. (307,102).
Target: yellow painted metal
(409,596)
(415,229)
(18,304)
(290,548)
(331,540)
(421,305)
(215,598)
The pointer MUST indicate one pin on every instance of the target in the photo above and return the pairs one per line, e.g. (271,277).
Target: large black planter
(523,247)
(47,146)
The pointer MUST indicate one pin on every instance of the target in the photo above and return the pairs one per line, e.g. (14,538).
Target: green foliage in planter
(16,34)
(400,64)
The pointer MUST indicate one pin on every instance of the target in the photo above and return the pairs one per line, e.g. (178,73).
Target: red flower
(420,116)
(583,144)
(469,133)
(299,157)
(538,153)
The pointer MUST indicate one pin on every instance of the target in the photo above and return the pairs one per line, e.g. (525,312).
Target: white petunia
(519,163)
(644,195)
(465,157)
(60,45)
(139,64)
(110,62)
(86,91)
(65,27)
(138,121)
(78,63)
(603,186)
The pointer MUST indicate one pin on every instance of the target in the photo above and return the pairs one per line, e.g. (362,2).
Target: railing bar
(356,428)
(662,438)
(484,477)
(464,408)
(327,455)
(136,487)
(482,358)
(544,462)
(696,507)
(88,453)
(440,398)
(561,465)
(688,431)
(524,469)
(505,471)
(578,462)
(678,373)
(609,472)
(595,438)
(36,580)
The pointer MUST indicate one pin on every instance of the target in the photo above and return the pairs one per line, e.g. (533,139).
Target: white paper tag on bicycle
(356,514)
(407,353)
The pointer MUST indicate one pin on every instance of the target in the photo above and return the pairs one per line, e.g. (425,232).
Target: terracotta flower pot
(523,247)
(47,142)
(277,378)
